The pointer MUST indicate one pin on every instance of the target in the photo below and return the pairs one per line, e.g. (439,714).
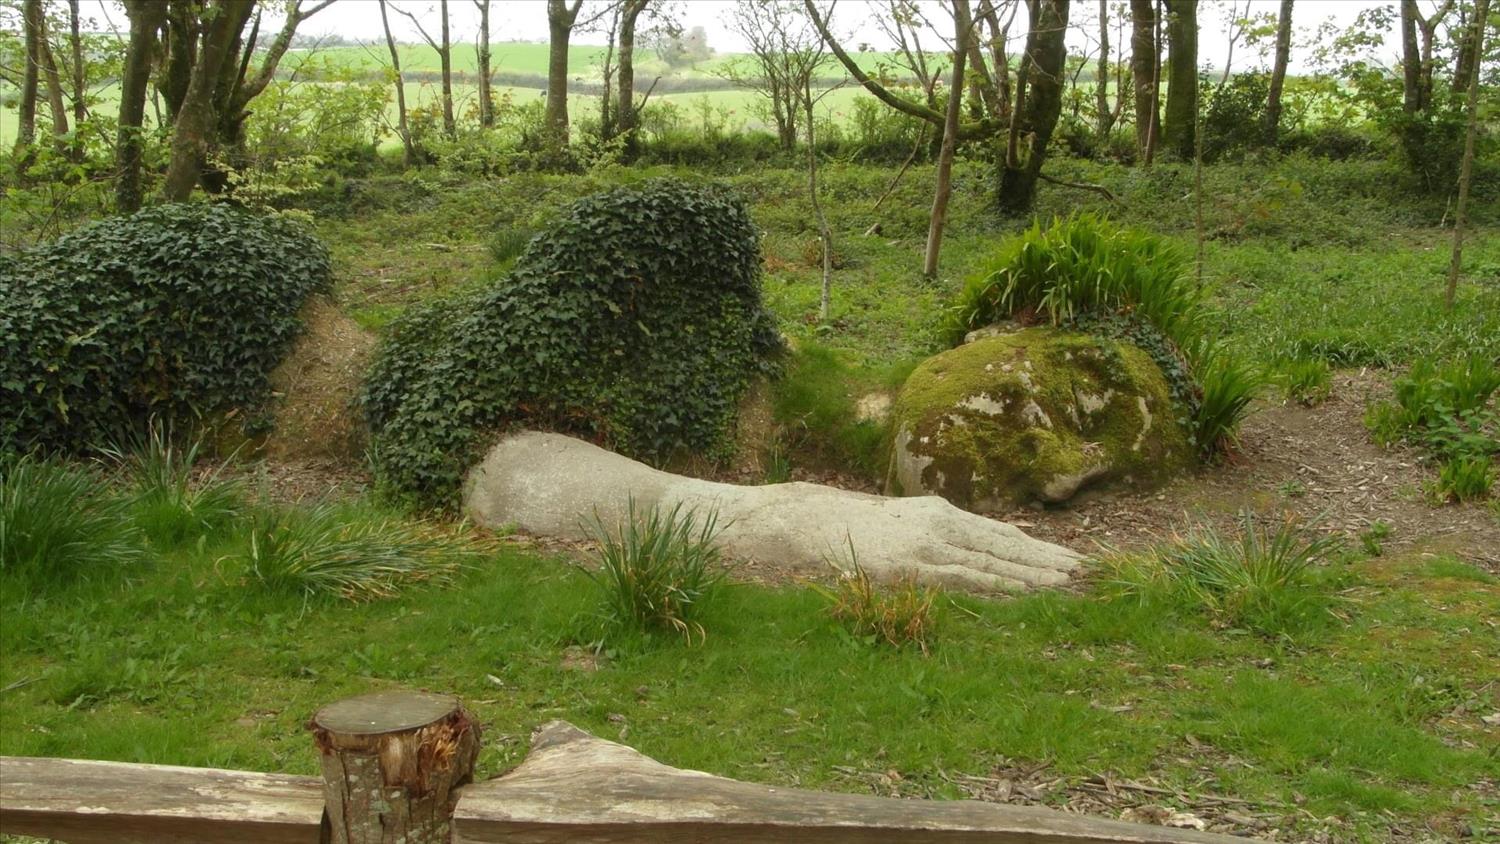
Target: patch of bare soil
(1317,462)
(316,386)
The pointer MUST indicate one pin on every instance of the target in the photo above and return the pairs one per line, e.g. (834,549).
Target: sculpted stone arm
(548,484)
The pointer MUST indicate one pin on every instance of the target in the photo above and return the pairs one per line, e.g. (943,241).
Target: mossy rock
(1033,415)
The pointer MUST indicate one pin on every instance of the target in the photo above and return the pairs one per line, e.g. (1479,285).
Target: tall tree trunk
(560,19)
(1466,169)
(196,119)
(1411,59)
(1046,55)
(408,149)
(1144,50)
(179,50)
(1105,118)
(55,95)
(80,84)
(1278,72)
(486,92)
(1182,83)
(944,190)
(31,23)
(146,17)
(445,57)
(628,119)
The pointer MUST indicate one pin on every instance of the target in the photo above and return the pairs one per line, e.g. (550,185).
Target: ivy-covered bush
(178,311)
(636,319)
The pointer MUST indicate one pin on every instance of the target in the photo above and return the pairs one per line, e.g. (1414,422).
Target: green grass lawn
(1374,711)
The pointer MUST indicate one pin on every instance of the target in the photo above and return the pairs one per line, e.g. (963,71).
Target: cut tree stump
(392,764)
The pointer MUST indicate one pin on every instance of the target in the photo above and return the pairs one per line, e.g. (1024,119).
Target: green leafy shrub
(899,615)
(636,319)
(178,311)
(351,552)
(656,568)
(1444,408)
(1261,577)
(1088,273)
(59,521)
(169,503)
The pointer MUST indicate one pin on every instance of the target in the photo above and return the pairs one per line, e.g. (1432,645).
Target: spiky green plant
(342,550)
(58,521)
(656,568)
(172,502)
(1259,576)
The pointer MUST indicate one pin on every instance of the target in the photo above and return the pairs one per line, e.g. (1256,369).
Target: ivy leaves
(636,319)
(177,310)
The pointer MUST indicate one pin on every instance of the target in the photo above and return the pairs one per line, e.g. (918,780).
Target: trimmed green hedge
(178,311)
(636,319)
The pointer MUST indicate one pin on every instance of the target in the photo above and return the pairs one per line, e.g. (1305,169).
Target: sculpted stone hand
(548,484)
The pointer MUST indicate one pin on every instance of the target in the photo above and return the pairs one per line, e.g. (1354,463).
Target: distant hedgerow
(636,319)
(175,311)
(1088,273)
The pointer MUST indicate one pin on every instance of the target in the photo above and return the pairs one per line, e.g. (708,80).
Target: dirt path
(1318,462)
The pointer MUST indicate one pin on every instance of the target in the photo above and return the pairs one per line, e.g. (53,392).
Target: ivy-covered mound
(636,319)
(178,311)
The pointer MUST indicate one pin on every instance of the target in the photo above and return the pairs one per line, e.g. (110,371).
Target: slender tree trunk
(31,22)
(445,58)
(408,149)
(1466,170)
(146,17)
(1144,50)
(80,84)
(1278,72)
(940,196)
(627,118)
(1182,85)
(825,234)
(180,48)
(560,19)
(193,129)
(486,92)
(1046,55)
(1411,59)
(1105,118)
(55,95)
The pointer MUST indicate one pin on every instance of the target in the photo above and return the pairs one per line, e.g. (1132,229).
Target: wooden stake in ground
(392,763)
(1466,173)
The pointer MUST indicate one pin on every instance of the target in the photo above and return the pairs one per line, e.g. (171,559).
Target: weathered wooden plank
(87,802)
(576,788)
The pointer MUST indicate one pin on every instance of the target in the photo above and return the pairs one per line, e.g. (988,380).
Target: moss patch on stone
(1033,415)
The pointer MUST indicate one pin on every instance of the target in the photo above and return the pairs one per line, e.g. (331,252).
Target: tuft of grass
(656,569)
(1259,577)
(1441,407)
(1306,381)
(1452,567)
(815,402)
(59,521)
(351,552)
(1372,540)
(1464,479)
(1078,265)
(897,616)
(168,502)
(1085,266)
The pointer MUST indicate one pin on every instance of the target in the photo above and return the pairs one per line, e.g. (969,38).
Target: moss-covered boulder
(1035,414)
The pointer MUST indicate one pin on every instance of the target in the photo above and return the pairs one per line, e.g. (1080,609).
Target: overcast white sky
(526,20)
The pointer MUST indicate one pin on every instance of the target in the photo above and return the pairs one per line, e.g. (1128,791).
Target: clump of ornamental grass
(1262,576)
(170,500)
(347,551)
(899,615)
(656,569)
(59,521)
